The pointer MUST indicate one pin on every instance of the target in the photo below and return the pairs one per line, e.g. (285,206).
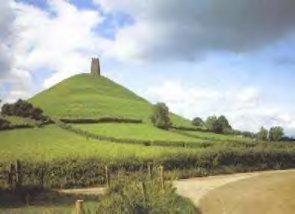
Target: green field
(134,131)
(216,137)
(52,142)
(19,120)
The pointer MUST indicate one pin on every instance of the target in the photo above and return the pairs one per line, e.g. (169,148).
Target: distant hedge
(185,128)
(101,120)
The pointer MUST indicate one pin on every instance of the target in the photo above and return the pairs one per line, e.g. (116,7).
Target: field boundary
(100,120)
(184,144)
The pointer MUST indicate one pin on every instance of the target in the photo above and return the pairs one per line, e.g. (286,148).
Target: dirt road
(196,188)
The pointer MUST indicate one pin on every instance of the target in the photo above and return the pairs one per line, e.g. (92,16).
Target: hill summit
(93,96)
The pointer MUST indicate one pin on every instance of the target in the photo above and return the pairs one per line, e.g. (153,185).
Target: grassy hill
(85,96)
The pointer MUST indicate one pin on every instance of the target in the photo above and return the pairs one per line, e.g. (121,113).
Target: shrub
(276,133)
(262,134)
(137,195)
(218,125)
(4,124)
(197,121)
(160,116)
(24,109)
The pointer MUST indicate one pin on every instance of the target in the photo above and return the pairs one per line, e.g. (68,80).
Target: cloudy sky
(231,57)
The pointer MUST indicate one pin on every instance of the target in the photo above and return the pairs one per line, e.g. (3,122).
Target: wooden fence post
(149,166)
(107,176)
(18,174)
(161,168)
(79,207)
(143,189)
(42,178)
(11,177)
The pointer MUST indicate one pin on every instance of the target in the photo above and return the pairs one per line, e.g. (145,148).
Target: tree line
(21,108)
(220,125)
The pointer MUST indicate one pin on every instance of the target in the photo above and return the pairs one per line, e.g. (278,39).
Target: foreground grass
(272,193)
(134,131)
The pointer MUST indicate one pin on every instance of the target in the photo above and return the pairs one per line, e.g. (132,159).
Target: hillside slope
(85,96)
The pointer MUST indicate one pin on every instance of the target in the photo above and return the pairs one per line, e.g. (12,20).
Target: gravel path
(196,188)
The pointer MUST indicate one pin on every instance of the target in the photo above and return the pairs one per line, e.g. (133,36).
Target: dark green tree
(197,121)
(211,123)
(262,134)
(160,116)
(218,125)
(224,124)
(276,133)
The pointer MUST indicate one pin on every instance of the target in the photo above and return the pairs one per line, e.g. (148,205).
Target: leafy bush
(262,134)
(197,121)
(218,125)
(276,133)
(135,195)
(23,108)
(220,158)
(4,124)
(160,116)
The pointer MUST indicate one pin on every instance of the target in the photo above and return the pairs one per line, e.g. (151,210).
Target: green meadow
(52,143)
(134,131)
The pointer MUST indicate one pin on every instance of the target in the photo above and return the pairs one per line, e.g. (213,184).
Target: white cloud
(173,29)
(60,39)
(6,37)
(242,106)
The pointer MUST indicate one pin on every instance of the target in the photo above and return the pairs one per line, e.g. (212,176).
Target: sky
(206,57)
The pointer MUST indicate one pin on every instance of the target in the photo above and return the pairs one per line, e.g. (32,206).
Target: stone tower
(95,67)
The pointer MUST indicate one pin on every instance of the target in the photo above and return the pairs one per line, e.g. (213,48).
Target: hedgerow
(217,159)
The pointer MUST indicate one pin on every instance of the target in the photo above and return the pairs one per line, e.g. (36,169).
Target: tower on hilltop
(95,67)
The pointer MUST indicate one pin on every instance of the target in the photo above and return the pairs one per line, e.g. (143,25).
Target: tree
(276,133)
(197,121)
(262,134)
(160,116)
(218,125)
(212,124)
(224,124)
(23,108)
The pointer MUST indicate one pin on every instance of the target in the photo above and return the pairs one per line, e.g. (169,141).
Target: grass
(85,96)
(272,192)
(52,142)
(14,120)
(216,137)
(134,131)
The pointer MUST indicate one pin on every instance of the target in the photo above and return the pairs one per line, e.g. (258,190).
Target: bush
(262,134)
(160,116)
(218,125)
(220,158)
(197,121)
(4,124)
(276,133)
(24,109)
(138,195)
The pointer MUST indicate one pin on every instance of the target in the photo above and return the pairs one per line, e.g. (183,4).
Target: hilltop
(88,96)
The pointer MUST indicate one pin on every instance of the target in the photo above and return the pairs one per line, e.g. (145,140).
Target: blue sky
(201,58)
